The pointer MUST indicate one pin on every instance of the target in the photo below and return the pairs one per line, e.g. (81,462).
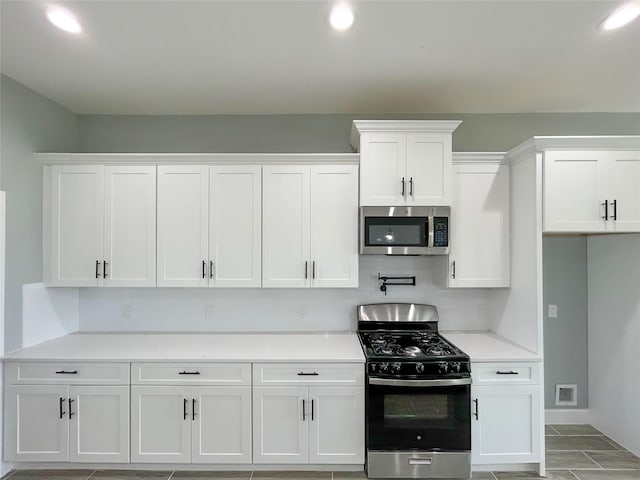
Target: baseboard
(560,416)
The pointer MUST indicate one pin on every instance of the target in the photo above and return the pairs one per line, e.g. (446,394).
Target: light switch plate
(553,311)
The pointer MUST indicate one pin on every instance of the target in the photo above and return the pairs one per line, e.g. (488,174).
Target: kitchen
(270,310)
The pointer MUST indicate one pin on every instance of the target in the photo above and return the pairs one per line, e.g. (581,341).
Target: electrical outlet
(553,311)
(301,312)
(126,311)
(209,312)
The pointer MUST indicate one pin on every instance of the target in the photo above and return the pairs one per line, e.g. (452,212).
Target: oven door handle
(395,382)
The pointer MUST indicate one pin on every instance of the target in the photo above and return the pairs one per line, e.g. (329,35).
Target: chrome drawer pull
(420,461)
(511,372)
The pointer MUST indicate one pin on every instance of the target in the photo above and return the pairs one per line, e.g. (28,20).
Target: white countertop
(204,347)
(487,346)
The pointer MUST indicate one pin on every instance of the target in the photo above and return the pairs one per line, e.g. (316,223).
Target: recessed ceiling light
(620,17)
(63,19)
(341,17)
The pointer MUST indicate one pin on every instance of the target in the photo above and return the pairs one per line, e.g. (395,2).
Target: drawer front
(505,373)
(72,373)
(191,374)
(335,374)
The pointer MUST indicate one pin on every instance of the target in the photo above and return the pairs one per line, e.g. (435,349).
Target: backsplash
(280,310)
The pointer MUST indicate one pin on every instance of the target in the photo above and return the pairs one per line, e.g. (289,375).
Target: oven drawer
(335,374)
(191,374)
(502,373)
(70,373)
(418,464)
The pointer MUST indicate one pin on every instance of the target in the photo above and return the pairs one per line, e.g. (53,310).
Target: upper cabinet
(404,162)
(100,225)
(590,191)
(310,218)
(480,232)
(209,225)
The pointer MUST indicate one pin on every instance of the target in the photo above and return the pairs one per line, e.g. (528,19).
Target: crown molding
(475,158)
(436,126)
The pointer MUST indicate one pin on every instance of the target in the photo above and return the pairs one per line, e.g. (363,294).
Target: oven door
(428,415)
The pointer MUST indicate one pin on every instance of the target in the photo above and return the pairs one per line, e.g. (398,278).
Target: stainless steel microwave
(404,230)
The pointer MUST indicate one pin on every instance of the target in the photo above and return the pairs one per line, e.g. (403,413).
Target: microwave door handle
(430,230)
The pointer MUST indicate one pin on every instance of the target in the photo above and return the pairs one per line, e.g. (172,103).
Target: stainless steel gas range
(418,395)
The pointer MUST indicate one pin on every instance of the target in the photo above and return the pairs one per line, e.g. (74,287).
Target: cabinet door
(130,226)
(77,222)
(383,166)
(221,431)
(508,426)
(428,169)
(281,417)
(36,424)
(334,226)
(235,235)
(183,224)
(160,424)
(286,258)
(480,227)
(572,182)
(622,184)
(99,424)
(336,430)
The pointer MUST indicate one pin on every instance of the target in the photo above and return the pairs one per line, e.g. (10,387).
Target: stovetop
(409,346)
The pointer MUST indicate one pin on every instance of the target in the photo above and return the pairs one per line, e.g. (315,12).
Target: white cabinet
(404,162)
(186,418)
(100,225)
(308,413)
(590,191)
(479,254)
(67,423)
(209,226)
(310,225)
(506,417)
(317,425)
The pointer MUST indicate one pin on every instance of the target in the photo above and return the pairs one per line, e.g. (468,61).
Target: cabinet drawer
(308,374)
(191,374)
(67,373)
(513,373)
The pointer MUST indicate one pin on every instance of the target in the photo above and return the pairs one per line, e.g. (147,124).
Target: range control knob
(372,367)
(383,367)
(419,367)
(395,367)
(443,367)
(455,367)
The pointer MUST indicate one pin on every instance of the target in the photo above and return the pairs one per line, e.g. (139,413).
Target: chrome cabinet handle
(306,269)
(606,210)
(97,268)
(475,413)
(313,269)
(104,269)
(453,271)
(403,194)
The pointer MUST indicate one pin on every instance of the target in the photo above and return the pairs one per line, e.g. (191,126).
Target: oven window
(416,407)
(396,231)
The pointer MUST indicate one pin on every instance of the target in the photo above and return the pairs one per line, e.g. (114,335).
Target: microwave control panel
(440,232)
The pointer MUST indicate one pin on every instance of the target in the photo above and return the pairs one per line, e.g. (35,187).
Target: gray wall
(29,123)
(565,337)
(324,133)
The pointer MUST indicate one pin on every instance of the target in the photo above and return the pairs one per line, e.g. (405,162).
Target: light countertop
(487,346)
(205,347)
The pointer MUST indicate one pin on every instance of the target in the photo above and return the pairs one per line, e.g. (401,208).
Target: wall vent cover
(566,395)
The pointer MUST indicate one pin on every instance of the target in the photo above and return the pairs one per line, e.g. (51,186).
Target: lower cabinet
(62,423)
(506,422)
(317,425)
(191,424)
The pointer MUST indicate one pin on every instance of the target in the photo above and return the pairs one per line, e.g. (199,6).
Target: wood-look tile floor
(574,452)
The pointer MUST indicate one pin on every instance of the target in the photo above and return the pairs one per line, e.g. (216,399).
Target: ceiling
(268,57)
